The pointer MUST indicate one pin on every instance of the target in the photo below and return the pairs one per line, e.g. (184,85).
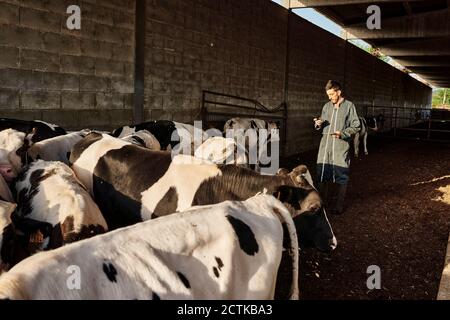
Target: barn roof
(416,33)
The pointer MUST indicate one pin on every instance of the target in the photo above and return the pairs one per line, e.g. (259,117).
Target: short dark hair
(331,84)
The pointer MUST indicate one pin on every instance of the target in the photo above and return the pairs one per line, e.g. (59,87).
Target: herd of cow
(140,223)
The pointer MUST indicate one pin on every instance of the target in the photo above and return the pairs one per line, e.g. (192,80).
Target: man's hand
(336,135)
(318,123)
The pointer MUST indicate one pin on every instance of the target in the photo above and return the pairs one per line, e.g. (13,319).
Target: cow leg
(365,144)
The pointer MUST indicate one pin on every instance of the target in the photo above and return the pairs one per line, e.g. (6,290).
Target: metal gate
(218,108)
(415,123)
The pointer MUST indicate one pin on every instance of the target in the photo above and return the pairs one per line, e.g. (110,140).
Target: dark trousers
(333,195)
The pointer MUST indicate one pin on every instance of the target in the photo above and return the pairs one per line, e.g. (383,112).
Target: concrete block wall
(314,58)
(86,78)
(229,46)
(81,78)
(317,56)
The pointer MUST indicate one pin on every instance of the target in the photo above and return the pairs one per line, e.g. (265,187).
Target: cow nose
(332,243)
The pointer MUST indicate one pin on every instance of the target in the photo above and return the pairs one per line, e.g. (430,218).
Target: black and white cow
(131,184)
(168,133)
(221,150)
(249,123)
(228,251)
(38,130)
(247,133)
(367,123)
(7,233)
(52,200)
(13,153)
(57,148)
(144,139)
(13,248)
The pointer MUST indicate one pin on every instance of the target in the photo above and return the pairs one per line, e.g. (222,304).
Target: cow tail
(286,219)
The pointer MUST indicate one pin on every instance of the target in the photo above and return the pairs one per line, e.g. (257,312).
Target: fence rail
(417,123)
(217,108)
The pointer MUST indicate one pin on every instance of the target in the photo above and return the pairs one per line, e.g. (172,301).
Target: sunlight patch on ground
(430,181)
(445,198)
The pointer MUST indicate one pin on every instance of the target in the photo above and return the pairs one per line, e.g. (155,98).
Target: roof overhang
(416,33)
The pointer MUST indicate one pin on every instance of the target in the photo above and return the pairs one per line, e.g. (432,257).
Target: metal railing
(417,123)
(217,108)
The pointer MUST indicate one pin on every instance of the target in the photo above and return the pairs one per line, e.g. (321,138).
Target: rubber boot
(340,199)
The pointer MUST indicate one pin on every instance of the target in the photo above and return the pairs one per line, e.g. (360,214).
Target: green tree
(368,48)
(441,98)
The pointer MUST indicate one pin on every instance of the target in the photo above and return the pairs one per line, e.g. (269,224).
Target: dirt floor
(397,218)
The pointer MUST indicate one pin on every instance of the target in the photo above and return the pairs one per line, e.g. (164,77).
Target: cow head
(13,153)
(6,234)
(305,203)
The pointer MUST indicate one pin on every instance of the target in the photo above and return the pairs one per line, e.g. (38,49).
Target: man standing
(338,123)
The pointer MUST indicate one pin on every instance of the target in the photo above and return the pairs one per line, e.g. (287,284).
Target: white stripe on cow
(85,165)
(184,169)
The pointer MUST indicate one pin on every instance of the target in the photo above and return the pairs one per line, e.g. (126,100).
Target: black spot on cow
(79,148)
(22,152)
(7,248)
(253,124)
(25,196)
(64,233)
(155,296)
(168,204)
(184,280)
(219,263)
(216,272)
(116,133)
(121,176)
(139,141)
(161,129)
(246,237)
(41,131)
(110,272)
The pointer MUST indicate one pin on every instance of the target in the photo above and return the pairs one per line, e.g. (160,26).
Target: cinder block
(123,53)
(67,119)
(93,119)
(120,117)
(39,60)
(9,57)
(9,13)
(9,99)
(61,81)
(122,85)
(77,100)
(107,68)
(123,20)
(94,84)
(110,101)
(41,20)
(14,36)
(107,33)
(22,114)
(61,44)
(128,101)
(97,49)
(40,100)
(10,78)
(157,114)
(32,80)
(77,64)
(55,6)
